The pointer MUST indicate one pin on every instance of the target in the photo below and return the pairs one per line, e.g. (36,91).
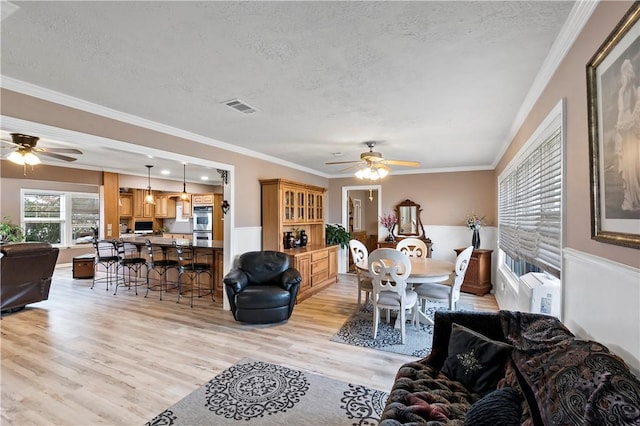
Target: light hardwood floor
(87,357)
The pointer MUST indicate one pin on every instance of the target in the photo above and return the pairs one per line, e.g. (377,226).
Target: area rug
(358,331)
(258,393)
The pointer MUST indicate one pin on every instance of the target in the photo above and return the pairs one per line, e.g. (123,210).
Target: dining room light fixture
(184,196)
(148,199)
(372,171)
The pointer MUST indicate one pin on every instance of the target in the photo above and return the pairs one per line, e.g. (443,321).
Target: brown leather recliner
(26,270)
(263,287)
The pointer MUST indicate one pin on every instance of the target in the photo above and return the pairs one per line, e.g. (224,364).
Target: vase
(286,240)
(475,240)
(303,238)
(390,237)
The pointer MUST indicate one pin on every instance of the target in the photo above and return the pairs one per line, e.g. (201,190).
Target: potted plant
(337,235)
(10,233)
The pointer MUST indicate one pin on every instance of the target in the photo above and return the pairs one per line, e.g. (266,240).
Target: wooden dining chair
(389,271)
(449,293)
(359,253)
(412,247)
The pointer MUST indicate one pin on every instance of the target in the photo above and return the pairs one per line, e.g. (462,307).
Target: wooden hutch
(289,206)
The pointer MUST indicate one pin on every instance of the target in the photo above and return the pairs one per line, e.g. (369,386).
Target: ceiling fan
(24,150)
(372,165)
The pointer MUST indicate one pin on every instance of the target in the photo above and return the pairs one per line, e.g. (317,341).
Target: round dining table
(423,270)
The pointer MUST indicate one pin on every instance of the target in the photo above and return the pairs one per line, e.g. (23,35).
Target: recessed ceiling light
(204,178)
(165,172)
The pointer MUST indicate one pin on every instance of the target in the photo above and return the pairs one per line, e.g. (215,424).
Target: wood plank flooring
(88,357)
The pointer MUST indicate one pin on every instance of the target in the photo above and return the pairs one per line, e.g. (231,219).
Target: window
(530,203)
(59,217)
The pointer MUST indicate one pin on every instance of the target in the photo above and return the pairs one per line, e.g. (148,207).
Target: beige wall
(445,198)
(248,170)
(570,82)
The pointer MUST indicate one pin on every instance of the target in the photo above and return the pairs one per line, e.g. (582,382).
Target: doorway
(361,206)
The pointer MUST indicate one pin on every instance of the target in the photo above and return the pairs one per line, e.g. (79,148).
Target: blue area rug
(358,331)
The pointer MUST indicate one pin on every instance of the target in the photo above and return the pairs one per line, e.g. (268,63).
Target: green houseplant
(337,235)
(10,233)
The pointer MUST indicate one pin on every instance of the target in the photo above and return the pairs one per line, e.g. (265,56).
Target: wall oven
(203,223)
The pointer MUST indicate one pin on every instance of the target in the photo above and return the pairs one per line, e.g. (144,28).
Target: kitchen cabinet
(206,199)
(126,205)
(286,205)
(140,208)
(318,267)
(477,279)
(165,207)
(187,208)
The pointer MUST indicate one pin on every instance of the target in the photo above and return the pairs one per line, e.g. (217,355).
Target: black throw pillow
(475,360)
(501,407)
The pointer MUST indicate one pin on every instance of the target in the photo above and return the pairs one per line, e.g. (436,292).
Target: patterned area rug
(258,393)
(358,331)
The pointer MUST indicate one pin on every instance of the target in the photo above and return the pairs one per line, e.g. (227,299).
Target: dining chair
(389,271)
(412,247)
(446,292)
(359,253)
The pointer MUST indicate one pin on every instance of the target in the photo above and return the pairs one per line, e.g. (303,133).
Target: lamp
(184,196)
(23,157)
(372,171)
(148,199)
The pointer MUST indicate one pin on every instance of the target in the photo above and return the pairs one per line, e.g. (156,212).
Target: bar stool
(159,263)
(129,258)
(193,269)
(106,256)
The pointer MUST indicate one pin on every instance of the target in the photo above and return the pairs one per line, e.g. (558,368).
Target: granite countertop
(216,244)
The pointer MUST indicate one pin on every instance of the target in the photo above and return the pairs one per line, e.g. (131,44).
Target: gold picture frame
(613,93)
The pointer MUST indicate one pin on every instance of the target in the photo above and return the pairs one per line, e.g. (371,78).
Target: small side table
(83,266)
(477,279)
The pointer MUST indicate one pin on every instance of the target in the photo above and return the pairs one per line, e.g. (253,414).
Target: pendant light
(149,198)
(184,196)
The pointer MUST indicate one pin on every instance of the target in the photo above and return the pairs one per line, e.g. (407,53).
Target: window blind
(530,206)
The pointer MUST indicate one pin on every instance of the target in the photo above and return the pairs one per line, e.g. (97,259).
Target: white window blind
(530,205)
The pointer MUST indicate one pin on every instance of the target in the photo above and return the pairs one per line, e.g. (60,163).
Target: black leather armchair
(263,287)
(26,270)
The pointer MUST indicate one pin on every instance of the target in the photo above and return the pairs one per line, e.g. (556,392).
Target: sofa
(512,368)
(263,287)
(26,270)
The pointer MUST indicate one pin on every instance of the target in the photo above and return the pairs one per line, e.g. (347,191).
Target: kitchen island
(206,251)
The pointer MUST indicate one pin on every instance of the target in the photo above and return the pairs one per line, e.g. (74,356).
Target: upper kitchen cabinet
(126,205)
(165,207)
(200,199)
(140,208)
(187,208)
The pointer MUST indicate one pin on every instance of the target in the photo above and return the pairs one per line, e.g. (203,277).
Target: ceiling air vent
(240,106)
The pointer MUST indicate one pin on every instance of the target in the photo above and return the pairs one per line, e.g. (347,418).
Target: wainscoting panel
(602,302)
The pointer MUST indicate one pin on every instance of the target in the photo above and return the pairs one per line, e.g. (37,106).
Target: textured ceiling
(436,82)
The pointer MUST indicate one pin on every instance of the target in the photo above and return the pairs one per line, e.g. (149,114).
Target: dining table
(423,270)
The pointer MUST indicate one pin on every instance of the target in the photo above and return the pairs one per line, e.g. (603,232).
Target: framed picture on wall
(613,93)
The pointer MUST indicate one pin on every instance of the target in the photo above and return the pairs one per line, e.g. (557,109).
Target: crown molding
(577,19)
(29,89)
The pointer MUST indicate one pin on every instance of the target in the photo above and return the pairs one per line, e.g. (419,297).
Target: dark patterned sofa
(512,368)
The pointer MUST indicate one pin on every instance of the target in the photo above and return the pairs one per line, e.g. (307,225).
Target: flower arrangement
(388,221)
(474,222)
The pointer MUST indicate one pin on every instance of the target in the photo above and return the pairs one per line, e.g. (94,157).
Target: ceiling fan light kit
(26,153)
(372,166)
(22,158)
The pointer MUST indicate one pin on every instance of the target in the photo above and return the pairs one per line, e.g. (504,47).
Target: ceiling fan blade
(58,156)
(355,166)
(344,162)
(60,150)
(402,163)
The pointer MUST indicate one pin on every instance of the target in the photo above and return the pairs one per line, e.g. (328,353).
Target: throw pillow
(475,360)
(501,407)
